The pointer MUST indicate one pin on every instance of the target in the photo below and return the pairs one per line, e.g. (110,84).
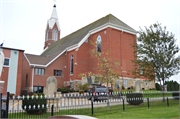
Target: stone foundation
(146,84)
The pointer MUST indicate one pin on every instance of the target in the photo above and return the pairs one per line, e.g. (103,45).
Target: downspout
(66,67)
(32,77)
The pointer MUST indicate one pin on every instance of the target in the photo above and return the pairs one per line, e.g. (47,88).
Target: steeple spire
(52,29)
(54,13)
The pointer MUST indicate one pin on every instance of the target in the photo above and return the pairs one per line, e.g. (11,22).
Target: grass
(149,93)
(153,112)
(158,109)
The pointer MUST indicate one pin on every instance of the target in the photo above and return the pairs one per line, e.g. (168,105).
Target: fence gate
(4,107)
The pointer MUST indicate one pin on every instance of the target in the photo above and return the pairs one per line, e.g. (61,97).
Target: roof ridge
(85,26)
(76,36)
(33,54)
(78,30)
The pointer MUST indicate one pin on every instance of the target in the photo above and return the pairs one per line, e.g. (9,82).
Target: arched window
(47,35)
(98,44)
(54,34)
(71,65)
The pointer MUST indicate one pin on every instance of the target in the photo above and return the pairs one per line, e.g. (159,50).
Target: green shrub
(158,87)
(41,102)
(123,87)
(175,95)
(34,94)
(64,90)
(39,94)
(134,98)
(81,91)
(84,87)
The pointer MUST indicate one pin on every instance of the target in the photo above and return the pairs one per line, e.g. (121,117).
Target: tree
(107,71)
(156,53)
(172,85)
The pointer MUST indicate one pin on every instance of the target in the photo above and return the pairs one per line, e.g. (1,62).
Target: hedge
(37,102)
(134,98)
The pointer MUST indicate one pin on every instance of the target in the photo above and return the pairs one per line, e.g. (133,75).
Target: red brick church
(69,56)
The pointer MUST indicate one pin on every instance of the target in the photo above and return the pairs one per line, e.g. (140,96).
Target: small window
(38,89)
(47,35)
(125,83)
(98,44)
(6,61)
(146,84)
(57,72)
(39,71)
(55,34)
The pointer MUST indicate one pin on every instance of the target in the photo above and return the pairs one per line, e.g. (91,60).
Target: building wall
(120,45)
(111,39)
(12,74)
(19,73)
(58,64)
(117,41)
(40,80)
(27,73)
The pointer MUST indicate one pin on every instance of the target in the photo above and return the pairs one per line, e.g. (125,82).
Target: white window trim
(9,62)
(126,83)
(41,72)
(147,84)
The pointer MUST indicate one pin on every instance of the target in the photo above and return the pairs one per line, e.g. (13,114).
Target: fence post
(148,102)
(7,104)
(92,105)
(167,102)
(52,110)
(123,106)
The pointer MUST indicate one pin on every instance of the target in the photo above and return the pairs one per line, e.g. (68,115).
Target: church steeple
(52,29)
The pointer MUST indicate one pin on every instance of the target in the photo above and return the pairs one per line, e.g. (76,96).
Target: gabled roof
(77,36)
(40,60)
(76,39)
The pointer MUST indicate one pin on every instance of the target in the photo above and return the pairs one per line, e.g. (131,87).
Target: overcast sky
(23,22)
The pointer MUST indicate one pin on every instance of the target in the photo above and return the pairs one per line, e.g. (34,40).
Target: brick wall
(19,73)
(50,41)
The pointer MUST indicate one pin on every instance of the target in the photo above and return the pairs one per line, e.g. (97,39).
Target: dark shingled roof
(41,60)
(74,38)
(77,36)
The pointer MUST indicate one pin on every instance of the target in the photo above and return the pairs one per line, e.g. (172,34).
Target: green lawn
(149,93)
(153,112)
(158,109)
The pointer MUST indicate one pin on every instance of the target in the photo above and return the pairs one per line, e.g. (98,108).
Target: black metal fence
(76,104)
